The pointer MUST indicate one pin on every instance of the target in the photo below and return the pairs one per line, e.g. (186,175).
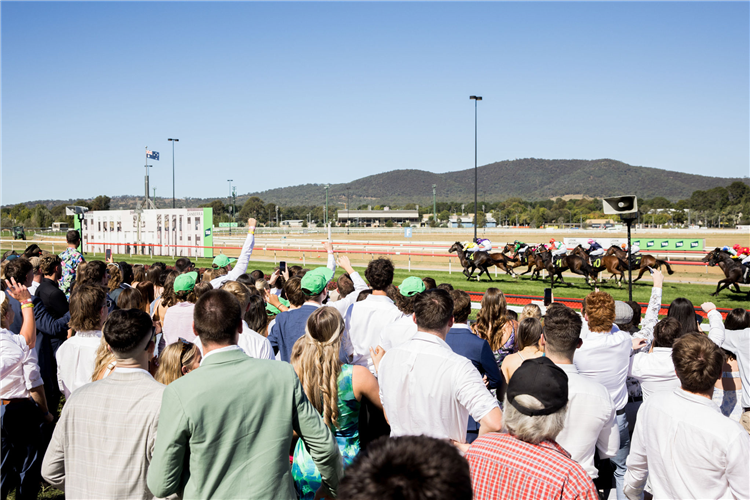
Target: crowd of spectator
(177,382)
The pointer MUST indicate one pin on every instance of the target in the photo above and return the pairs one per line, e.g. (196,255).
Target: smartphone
(650,269)
(547,296)
(108,254)
(282,266)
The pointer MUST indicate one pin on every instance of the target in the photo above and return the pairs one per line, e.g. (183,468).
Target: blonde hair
(315,358)
(115,277)
(171,362)
(240,292)
(104,357)
(530,311)
(492,318)
(262,285)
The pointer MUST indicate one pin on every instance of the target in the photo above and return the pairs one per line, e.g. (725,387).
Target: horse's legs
(721,285)
(643,270)
(487,272)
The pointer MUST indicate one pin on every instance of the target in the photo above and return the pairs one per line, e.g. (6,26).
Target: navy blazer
(477,350)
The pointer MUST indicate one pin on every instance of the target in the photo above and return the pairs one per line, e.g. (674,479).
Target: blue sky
(276,94)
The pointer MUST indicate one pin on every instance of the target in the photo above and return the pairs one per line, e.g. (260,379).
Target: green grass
(574,287)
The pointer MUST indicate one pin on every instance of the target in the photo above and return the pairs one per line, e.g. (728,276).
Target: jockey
(595,249)
(633,249)
(731,251)
(557,248)
(482,245)
(520,249)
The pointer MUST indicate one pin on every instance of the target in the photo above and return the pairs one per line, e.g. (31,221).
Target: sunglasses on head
(186,346)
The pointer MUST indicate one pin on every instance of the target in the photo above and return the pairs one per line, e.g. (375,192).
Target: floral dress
(71,259)
(510,345)
(306,475)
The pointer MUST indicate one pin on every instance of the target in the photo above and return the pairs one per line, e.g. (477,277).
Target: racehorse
(610,263)
(504,262)
(647,261)
(731,267)
(572,263)
(481,261)
(531,260)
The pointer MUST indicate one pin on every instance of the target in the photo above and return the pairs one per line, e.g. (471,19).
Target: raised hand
(17,291)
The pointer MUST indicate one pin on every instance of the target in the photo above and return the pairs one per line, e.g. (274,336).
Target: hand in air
(377,355)
(17,291)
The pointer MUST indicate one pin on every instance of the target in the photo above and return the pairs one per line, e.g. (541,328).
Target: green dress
(305,474)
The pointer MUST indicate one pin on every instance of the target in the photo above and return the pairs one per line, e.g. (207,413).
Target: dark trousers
(372,424)
(48,370)
(21,455)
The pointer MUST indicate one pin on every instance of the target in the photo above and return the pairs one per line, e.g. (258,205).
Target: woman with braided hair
(334,389)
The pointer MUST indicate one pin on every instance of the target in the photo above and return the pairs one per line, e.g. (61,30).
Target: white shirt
(233,347)
(33,287)
(365,322)
(342,305)
(687,449)
(654,371)
(428,389)
(398,332)
(590,422)
(178,322)
(240,266)
(605,358)
(250,342)
(75,360)
(19,370)
(254,344)
(738,341)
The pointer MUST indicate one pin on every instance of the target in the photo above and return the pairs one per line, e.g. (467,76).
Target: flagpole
(146,164)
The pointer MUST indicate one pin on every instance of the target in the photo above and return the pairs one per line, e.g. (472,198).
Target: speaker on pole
(627,208)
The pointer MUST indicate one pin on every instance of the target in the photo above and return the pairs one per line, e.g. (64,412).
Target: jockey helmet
(591,241)
(552,240)
(624,246)
(736,246)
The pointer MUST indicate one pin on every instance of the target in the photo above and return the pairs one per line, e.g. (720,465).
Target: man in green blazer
(225,429)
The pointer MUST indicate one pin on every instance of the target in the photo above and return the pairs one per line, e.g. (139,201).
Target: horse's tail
(665,264)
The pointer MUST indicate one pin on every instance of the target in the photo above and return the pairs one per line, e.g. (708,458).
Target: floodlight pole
(475,98)
(173,141)
(434,205)
(325,215)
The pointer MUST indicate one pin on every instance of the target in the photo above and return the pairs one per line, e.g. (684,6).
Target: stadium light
(475,98)
(173,141)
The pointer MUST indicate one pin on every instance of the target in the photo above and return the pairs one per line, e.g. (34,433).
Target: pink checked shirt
(505,467)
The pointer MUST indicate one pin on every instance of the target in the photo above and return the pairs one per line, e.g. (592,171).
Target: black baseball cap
(542,379)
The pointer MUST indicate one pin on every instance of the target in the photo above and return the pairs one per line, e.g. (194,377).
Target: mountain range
(529,179)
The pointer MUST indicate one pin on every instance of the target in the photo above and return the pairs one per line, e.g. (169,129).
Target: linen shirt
(398,332)
(19,370)
(687,449)
(605,358)
(654,371)
(178,322)
(75,360)
(738,341)
(590,422)
(365,322)
(426,388)
(503,466)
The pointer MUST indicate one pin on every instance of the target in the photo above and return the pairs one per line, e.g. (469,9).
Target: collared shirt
(426,388)
(365,321)
(289,327)
(605,358)
(398,332)
(503,466)
(654,371)
(71,258)
(738,341)
(250,342)
(687,449)
(33,287)
(590,422)
(178,322)
(19,370)
(75,360)
(120,369)
(233,347)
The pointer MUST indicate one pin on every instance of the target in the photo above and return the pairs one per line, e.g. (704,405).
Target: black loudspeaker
(621,205)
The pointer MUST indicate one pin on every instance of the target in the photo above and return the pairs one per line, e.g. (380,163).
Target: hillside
(529,179)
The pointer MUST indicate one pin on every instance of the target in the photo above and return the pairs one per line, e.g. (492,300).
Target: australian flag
(154,155)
